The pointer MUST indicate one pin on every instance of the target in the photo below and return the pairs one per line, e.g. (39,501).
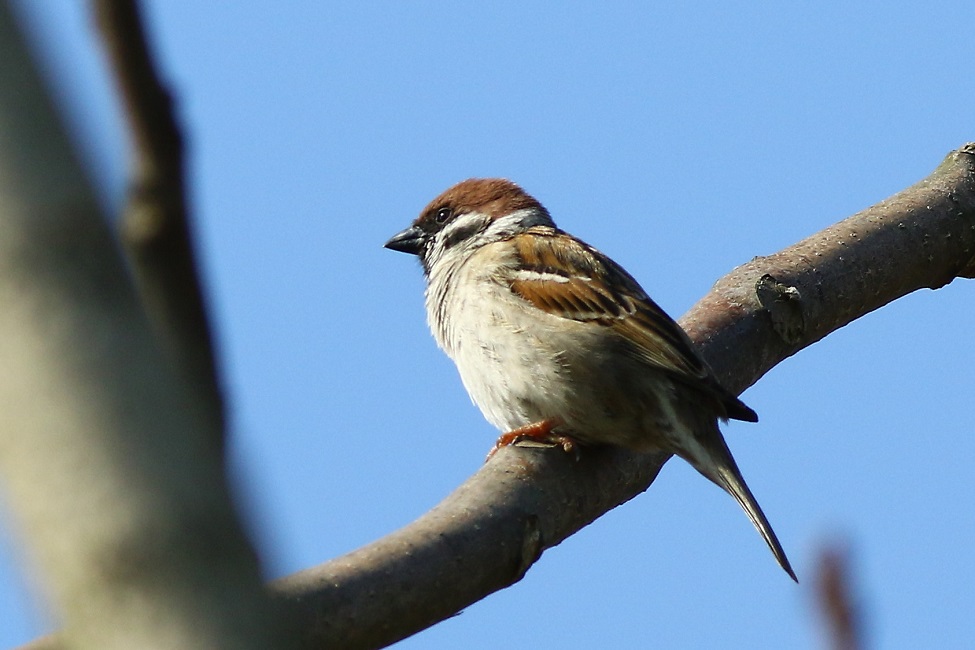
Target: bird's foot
(541,433)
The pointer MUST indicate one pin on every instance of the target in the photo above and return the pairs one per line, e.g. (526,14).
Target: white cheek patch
(462,228)
(516,222)
(460,232)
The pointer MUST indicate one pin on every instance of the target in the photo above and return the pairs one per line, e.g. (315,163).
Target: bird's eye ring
(443,214)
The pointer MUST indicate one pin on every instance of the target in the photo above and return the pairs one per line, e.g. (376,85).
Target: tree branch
(489,532)
(155,224)
(102,446)
(838,605)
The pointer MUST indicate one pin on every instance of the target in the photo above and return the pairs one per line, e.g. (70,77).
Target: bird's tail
(733,484)
(721,468)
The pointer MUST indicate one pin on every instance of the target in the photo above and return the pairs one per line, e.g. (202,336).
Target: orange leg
(542,431)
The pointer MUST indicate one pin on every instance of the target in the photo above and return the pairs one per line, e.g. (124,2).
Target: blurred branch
(155,223)
(489,532)
(103,449)
(835,595)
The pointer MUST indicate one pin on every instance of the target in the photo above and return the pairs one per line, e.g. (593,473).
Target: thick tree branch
(487,534)
(772,307)
(103,450)
(155,224)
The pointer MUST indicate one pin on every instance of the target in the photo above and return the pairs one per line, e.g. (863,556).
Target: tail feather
(731,481)
(719,466)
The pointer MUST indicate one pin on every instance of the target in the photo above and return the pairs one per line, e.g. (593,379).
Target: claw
(542,432)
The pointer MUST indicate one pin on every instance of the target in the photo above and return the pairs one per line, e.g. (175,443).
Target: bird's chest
(509,356)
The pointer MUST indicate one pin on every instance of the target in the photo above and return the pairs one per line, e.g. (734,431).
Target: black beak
(410,241)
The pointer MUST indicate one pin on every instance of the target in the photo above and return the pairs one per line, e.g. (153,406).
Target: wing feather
(561,276)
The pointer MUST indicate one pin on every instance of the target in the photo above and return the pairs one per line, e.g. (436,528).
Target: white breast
(507,355)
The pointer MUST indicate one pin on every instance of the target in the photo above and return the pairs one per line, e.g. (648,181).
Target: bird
(555,341)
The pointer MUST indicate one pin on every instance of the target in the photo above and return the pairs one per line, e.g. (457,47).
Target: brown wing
(559,277)
(558,274)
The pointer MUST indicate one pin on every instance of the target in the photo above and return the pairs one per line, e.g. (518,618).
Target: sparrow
(555,341)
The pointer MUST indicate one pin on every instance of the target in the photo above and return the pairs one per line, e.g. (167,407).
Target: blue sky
(681,140)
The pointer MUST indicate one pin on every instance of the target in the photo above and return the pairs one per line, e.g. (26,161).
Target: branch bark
(103,448)
(155,225)
(489,532)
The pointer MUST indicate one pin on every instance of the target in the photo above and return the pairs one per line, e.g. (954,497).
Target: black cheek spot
(458,232)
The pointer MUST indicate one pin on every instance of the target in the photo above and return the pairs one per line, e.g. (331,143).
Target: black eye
(443,215)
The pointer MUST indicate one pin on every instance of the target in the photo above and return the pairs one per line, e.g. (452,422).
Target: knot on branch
(146,219)
(784,306)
